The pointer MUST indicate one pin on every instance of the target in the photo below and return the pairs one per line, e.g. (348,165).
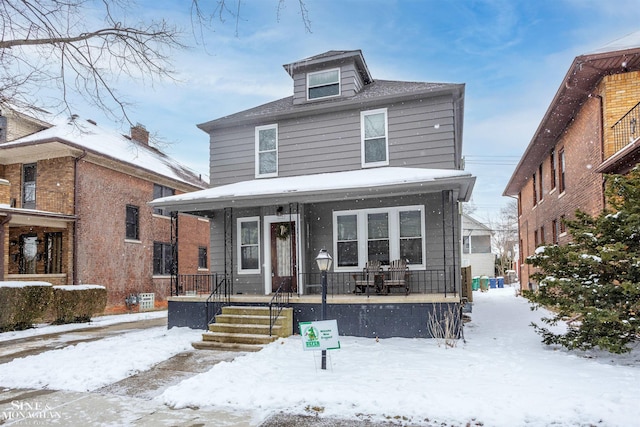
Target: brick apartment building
(591,128)
(74,208)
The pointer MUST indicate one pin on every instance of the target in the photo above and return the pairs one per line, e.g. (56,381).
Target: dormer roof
(332,57)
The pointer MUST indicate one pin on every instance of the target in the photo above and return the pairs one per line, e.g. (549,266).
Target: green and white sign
(321,335)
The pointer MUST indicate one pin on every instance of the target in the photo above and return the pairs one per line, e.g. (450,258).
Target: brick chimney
(140,134)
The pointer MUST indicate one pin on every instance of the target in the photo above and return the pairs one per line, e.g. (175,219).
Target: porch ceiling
(33,218)
(348,185)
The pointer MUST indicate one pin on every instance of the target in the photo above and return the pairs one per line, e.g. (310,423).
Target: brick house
(590,129)
(370,170)
(74,208)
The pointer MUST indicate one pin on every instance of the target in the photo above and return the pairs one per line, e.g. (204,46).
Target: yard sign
(322,335)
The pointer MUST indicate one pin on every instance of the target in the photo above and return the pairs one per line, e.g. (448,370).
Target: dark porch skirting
(394,317)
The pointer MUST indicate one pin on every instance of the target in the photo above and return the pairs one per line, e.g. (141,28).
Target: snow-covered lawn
(501,376)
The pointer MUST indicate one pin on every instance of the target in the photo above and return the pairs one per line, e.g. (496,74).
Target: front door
(283,256)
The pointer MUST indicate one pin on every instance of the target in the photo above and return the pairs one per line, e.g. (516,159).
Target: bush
(77,304)
(23,303)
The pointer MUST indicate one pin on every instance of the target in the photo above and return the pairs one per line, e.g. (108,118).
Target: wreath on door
(283,231)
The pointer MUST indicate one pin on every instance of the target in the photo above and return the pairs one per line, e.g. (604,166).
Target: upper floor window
(375,147)
(561,169)
(540,183)
(162,191)
(323,84)
(162,258)
(552,168)
(29,186)
(535,190)
(266,151)
(249,245)
(132,224)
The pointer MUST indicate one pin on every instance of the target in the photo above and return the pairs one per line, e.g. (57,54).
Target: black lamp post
(324,263)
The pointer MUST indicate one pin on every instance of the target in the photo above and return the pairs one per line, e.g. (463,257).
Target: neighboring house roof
(107,143)
(379,91)
(364,183)
(583,76)
(470,225)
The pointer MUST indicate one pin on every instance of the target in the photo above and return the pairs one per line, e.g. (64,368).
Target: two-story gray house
(369,170)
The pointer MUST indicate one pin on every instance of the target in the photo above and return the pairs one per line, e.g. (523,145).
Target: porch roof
(325,187)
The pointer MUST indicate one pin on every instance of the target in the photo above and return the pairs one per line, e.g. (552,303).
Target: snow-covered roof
(364,183)
(111,144)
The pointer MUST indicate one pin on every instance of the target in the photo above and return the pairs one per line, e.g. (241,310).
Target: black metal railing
(627,129)
(429,281)
(219,297)
(279,301)
(197,284)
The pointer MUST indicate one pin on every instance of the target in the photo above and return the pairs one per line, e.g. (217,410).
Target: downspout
(74,260)
(4,221)
(602,142)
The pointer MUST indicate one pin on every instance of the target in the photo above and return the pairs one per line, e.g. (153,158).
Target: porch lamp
(324,263)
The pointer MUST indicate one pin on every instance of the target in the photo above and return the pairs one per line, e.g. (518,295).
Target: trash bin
(484,283)
(500,282)
(492,282)
(475,283)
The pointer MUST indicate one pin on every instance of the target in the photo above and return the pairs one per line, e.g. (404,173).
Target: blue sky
(511,55)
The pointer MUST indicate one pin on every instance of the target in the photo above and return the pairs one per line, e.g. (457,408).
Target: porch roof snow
(357,184)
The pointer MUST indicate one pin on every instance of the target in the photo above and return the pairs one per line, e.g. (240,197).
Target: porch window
(323,84)
(132,225)
(202,257)
(29,186)
(266,151)
(347,240)
(162,191)
(249,245)
(378,237)
(379,234)
(28,254)
(162,259)
(411,236)
(375,147)
(53,248)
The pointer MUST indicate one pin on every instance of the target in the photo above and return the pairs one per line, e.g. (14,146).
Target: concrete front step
(246,327)
(238,338)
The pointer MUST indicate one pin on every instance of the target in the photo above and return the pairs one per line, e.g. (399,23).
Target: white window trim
(394,235)
(363,114)
(329,96)
(257,151)
(239,245)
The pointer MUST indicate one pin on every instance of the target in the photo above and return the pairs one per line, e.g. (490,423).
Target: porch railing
(627,129)
(279,301)
(429,281)
(197,284)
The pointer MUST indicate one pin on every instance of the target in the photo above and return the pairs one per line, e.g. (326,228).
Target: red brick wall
(582,144)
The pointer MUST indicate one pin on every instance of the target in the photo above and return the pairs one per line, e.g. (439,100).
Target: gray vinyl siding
(421,134)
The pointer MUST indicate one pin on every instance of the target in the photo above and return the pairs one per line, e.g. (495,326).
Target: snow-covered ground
(502,376)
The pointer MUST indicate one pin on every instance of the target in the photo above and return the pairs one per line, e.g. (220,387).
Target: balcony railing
(627,129)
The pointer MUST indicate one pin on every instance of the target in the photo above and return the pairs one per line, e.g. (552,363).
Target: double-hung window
(383,234)
(162,191)
(162,259)
(249,245)
(266,151)
(132,223)
(375,144)
(202,257)
(323,84)
(29,186)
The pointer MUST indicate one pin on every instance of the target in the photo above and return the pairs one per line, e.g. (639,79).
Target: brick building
(591,128)
(74,208)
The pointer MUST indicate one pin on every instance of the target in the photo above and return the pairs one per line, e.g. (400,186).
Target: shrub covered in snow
(593,283)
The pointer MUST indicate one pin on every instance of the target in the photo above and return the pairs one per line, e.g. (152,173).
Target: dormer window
(323,84)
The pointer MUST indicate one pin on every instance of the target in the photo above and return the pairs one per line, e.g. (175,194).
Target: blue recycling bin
(492,282)
(500,282)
